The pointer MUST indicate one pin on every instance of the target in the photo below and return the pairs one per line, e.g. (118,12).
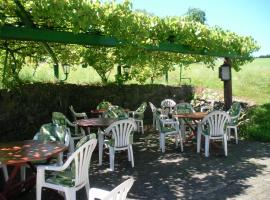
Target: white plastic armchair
(120,132)
(51,133)
(5,171)
(213,127)
(77,115)
(118,193)
(167,106)
(168,127)
(234,113)
(155,111)
(59,118)
(138,116)
(70,177)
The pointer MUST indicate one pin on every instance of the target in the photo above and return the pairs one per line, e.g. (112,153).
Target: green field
(251,83)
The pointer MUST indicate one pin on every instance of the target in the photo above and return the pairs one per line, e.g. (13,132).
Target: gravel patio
(244,174)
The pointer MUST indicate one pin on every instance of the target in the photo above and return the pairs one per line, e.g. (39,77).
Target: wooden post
(228,87)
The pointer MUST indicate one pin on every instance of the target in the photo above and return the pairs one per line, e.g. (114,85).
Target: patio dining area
(244,174)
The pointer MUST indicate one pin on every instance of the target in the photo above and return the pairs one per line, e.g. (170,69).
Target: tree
(196,14)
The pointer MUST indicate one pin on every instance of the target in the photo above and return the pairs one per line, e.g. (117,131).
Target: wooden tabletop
(194,115)
(95,122)
(28,151)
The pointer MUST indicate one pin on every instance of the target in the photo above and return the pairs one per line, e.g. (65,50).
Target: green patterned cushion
(116,112)
(166,129)
(111,141)
(85,139)
(142,107)
(183,109)
(235,109)
(59,118)
(50,132)
(104,105)
(66,178)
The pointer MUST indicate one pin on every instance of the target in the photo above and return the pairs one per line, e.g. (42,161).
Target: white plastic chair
(213,127)
(138,116)
(77,116)
(167,106)
(71,176)
(118,193)
(234,113)
(168,127)
(183,108)
(59,118)
(5,171)
(154,112)
(120,132)
(59,134)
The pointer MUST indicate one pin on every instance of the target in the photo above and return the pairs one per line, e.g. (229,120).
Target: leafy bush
(256,123)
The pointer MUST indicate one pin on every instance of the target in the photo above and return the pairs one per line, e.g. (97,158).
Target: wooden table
(99,123)
(195,117)
(22,153)
(95,122)
(97,112)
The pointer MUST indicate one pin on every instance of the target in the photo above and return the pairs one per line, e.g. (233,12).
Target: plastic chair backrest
(169,103)
(142,107)
(153,107)
(215,123)
(81,161)
(59,119)
(104,105)
(121,131)
(51,132)
(120,192)
(183,108)
(115,112)
(235,109)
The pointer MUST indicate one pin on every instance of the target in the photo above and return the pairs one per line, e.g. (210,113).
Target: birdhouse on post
(226,76)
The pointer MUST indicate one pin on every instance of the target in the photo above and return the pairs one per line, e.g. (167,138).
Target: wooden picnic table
(21,153)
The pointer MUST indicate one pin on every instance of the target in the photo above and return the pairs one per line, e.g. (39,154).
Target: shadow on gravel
(175,174)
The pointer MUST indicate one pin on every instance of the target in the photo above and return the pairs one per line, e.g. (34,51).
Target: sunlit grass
(252,82)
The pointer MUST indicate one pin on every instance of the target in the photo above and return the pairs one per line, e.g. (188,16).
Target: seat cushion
(65,178)
(85,139)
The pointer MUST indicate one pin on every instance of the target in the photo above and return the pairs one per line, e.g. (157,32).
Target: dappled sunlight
(185,175)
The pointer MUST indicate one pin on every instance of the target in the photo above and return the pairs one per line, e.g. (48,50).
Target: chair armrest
(83,114)
(97,193)
(50,168)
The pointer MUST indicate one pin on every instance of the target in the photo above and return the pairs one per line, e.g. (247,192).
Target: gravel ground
(244,174)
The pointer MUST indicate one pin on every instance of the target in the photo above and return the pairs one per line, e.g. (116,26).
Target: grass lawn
(251,83)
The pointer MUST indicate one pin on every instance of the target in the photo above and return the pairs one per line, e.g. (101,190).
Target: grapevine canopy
(69,30)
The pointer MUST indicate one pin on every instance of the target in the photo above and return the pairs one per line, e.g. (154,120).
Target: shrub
(256,123)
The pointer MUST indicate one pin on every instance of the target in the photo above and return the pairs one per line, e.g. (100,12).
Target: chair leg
(100,147)
(131,155)
(199,136)
(70,194)
(142,127)
(181,142)
(236,135)
(87,188)
(5,172)
(225,145)
(112,158)
(38,190)
(163,143)
(206,146)
(23,173)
